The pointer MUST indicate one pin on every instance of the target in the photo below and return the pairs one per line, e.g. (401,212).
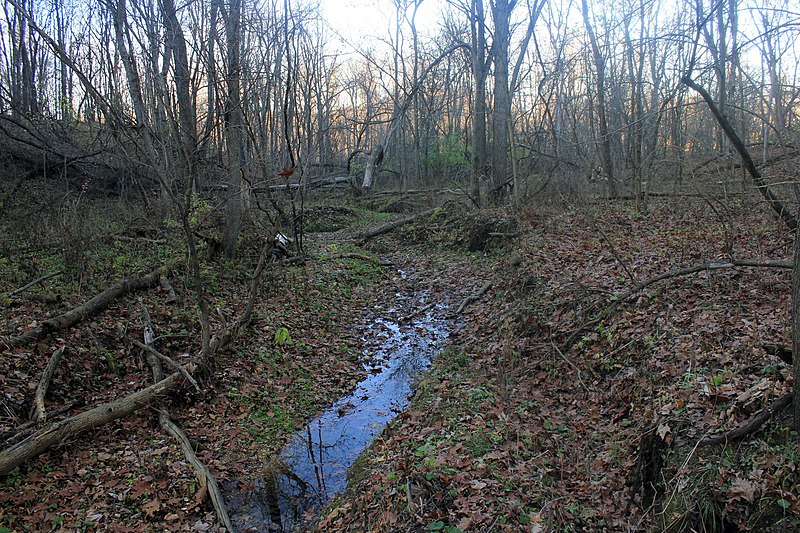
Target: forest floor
(527,421)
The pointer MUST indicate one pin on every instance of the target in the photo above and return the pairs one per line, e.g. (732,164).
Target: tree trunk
(501,13)
(605,139)
(373,167)
(479,72)
(234,126)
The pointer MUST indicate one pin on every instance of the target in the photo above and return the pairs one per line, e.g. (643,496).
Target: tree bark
(796,327)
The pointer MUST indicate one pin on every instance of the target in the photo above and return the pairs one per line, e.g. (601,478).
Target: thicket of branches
(508,96)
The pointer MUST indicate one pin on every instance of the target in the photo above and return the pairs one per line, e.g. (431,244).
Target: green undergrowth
(744,486)
(301,356)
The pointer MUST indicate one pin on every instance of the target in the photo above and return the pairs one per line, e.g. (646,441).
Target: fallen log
(386,228)
(57,432)
(91,307)
(24,429)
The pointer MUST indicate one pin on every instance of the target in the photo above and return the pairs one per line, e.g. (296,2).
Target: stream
(312,469)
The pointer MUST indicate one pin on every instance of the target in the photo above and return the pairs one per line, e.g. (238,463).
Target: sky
(358,20)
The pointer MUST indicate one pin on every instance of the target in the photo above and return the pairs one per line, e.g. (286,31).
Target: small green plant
(282,337)
(604,331)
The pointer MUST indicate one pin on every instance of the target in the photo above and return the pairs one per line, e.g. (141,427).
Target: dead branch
(612,307)
(204,475)
(363,257)
(92,306)
(171,362)
(570,363)
(23,429)
(386,228)
(747,161)
(752,425)
(418,312)
(39,413)
(56,433)
(24,288)
(474,297)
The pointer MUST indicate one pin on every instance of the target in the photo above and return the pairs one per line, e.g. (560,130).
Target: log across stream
(312,469)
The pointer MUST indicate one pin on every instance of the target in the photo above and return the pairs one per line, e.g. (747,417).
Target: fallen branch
(609,310)
(171,362)
(474,297)
(364,257)
(204,475)
(22,429)
(386,228)
(24,288)
(91,307)
(56,433)
(752,425)
(418,312)
(747,161)
(570,363)
(39,413)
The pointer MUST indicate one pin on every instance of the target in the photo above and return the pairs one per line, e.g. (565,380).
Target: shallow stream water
(312,469)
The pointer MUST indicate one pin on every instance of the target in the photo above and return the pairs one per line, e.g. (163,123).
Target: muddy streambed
(312,469)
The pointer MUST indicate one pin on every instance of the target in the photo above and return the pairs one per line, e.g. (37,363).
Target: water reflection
(313,468)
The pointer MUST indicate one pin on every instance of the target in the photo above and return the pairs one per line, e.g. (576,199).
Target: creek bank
(398,344)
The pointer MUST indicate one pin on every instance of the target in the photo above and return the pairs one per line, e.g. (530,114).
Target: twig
(24,288)
(22,428)
(171,362)
(570,363)
(39,413)
(614,253)
(474,297)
